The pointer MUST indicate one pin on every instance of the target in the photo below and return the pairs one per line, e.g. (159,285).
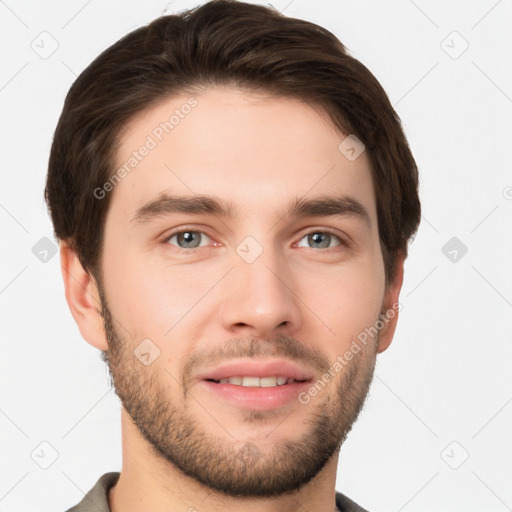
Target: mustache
(237,348)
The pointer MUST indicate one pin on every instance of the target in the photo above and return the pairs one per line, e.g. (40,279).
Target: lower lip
(262,399)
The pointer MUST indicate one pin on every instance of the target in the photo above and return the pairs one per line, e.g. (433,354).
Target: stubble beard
(235,468)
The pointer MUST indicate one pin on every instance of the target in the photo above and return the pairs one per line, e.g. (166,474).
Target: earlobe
(391,308)
(83,298)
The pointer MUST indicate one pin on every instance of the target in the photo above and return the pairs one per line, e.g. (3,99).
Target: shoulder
(345,504)
(96,500)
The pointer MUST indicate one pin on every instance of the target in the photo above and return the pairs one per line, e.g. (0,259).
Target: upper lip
(255,368)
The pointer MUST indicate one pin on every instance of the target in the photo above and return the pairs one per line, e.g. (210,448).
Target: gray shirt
(96,500)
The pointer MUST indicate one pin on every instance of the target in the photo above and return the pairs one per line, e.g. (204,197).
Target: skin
(296,300)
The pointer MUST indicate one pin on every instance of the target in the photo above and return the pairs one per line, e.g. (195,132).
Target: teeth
(267,382)
(264,382)
(251,381)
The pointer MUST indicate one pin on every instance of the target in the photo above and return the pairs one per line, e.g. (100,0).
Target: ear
(83,298)
(391,305)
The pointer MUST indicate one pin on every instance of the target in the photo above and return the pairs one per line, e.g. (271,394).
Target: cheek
(348,300)
(152,300)
(133,295)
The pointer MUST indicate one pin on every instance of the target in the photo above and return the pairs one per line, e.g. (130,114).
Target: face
(270,261)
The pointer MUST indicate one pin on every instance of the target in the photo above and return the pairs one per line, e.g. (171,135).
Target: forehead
(256,151)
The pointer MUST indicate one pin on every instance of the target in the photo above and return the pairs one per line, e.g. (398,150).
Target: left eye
(188,239)
(321,239)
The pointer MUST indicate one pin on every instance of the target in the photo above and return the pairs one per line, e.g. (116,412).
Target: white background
(442,391)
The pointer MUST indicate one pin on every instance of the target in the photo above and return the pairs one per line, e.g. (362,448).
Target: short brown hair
(222,42)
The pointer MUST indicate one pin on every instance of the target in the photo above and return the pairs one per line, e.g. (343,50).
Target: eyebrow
(321,206)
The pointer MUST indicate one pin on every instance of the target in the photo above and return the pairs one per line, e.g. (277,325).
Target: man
(233,195)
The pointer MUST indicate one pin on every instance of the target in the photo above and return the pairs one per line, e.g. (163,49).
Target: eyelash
(328,250)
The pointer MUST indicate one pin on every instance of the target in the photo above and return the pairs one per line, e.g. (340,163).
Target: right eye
(186,239)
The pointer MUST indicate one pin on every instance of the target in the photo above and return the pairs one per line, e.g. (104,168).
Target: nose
(259,299)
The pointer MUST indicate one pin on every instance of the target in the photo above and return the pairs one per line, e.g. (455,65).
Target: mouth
(257,373)
(262,382)
(256,384)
